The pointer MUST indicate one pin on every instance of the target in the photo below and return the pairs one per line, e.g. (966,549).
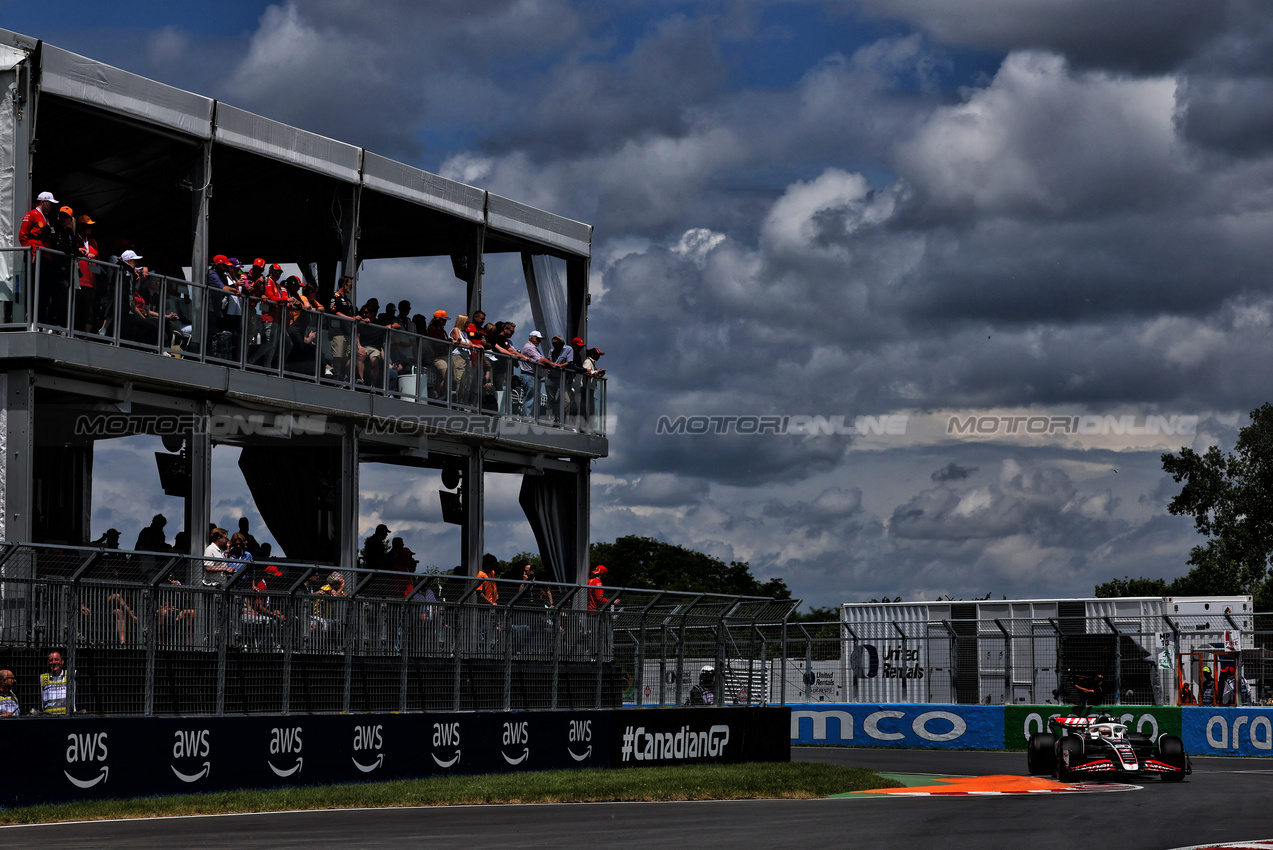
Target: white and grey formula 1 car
(1096,746)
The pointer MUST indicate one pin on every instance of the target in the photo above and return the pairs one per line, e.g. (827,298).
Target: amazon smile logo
(446,735)
(191,743)
(368,738)
(286,742)
(580,733)
(84,750)
(516,734)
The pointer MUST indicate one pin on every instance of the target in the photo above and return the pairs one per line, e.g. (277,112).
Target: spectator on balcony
(461,361)
(375,549)
(55,270)
(590,363)
(86,317)
(342,311)
(302,328)
(224,307)
(533,356)
(435,353)
(562,357)
(152,537)
(249,542)
(8,700)
(109,539)
(273,311)
(217,573)
(37,228)
(371,344)
(390,318)
(577,353)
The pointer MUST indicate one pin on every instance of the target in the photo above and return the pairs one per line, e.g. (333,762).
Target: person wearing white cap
(534,357)
(37,228)
(38,231)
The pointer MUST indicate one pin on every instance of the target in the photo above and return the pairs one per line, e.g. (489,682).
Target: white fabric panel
(246,131)
(509,216)
(10,57)
(83,80)
(8,181)
(420,187)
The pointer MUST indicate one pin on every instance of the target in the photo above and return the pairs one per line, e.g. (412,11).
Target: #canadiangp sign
(938,726)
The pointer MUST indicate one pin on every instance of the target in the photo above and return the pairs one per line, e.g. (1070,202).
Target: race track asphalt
(1224,800)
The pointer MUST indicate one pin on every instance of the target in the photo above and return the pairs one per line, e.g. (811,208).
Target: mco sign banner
(934,726)
(1227,731)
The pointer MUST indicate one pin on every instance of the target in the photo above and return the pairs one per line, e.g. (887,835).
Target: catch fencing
(157,633)
(1144,660)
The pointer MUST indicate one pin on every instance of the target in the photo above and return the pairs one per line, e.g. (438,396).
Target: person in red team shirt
(37,225)
(596,595)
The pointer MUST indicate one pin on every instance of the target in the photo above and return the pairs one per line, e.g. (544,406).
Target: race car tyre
(1040,756)
(1172,750)
(1074,747)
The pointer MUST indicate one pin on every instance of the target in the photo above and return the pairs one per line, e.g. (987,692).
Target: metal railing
(158,633)
(108,303)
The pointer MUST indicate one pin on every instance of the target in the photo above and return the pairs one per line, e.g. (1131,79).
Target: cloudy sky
(916,209)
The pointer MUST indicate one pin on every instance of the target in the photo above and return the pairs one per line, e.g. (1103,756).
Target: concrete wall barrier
(79,758)
(940,726)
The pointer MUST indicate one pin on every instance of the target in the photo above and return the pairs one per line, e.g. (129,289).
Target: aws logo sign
(368,740)
(516,734)
(285,742)
(580,734)
(191,744)
(446,736)
(87,753)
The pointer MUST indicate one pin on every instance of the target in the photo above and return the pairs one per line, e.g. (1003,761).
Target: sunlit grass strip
(795,780)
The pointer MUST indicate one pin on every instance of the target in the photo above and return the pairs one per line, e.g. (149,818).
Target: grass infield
(794,780)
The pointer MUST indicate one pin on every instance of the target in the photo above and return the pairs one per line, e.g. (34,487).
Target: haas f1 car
(1098,746)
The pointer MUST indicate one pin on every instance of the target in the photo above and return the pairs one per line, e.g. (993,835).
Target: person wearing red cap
(87,250)
(596,594)
(435,353)
(258,613)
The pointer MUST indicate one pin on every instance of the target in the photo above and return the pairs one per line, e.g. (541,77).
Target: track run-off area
(1226,802)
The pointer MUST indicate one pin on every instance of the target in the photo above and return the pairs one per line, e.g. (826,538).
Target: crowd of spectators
(265,319)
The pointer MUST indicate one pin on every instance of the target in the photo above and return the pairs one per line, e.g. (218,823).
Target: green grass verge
(795,780)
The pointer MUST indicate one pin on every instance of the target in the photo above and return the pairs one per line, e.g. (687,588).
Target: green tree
(643,562)
(1230,497)
(1125,586)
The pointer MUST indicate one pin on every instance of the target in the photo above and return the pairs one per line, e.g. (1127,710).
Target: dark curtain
(297,491)
(549,503)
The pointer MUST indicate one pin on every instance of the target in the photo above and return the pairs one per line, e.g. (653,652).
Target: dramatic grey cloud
(1145,36)
(953,472)
(1078,225)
